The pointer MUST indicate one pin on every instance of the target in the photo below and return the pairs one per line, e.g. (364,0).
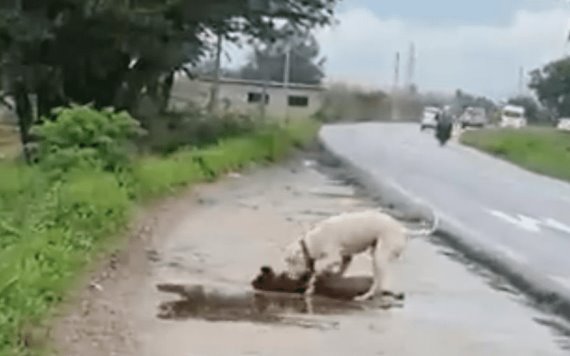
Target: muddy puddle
(197,301)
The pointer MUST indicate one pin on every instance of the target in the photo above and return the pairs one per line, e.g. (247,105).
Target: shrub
(83,136)
(173,131)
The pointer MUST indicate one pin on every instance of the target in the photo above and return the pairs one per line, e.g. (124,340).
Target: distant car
(563,124)
(473,117)
(513,116)
(429,117)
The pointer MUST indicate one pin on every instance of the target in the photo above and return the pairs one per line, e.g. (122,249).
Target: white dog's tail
(426,232)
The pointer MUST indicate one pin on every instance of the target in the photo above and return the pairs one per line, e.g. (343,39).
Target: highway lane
(521,215)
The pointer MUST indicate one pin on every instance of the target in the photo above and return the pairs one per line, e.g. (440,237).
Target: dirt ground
(218,236)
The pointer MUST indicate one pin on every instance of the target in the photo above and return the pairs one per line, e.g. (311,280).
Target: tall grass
(541,150)
(51,229)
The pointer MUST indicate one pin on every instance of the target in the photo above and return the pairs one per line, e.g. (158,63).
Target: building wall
(244,97)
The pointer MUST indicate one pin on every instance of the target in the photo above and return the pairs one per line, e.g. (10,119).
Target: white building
(244,96)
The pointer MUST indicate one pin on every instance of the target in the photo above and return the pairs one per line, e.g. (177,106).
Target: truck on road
(513,116)
(473,117)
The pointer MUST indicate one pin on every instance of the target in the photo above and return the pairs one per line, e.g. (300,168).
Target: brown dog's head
(268,281)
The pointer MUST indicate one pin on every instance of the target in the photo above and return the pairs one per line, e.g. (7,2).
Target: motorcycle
(443,131)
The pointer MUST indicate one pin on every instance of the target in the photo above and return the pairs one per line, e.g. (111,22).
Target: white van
(513,116)
(428,117)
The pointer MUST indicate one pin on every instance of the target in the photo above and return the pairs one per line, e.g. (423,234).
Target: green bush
(192,128)
(83,136)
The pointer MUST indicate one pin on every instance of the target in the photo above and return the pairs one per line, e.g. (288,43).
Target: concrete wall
(236,95)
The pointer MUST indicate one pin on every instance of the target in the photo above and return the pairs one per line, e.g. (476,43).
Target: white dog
(334,241)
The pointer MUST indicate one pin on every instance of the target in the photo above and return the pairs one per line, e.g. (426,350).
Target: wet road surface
(517,215)
(194,297)
(448,310)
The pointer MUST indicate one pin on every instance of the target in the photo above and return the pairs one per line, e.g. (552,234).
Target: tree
(535,113)
(268,62)
(113,53)
(551,84)
(463,100)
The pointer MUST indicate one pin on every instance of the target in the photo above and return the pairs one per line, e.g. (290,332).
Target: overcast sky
(478,46)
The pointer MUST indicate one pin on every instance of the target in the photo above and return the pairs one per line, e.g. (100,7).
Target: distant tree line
(267,60)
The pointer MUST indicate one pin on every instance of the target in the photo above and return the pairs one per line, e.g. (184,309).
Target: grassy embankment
(541,150)
(50,229)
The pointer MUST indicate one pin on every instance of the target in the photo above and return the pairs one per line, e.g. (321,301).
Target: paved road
(219,241)
(522,216)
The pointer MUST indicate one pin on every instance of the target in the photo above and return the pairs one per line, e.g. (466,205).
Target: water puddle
(218,305)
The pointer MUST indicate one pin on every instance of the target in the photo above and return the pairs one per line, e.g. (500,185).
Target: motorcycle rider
(444,125)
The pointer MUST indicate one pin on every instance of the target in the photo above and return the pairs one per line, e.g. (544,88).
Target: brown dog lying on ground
(326,285)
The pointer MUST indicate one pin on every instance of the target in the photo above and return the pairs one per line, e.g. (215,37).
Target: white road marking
(523,222)
(529,223)
(564,281)
(557,225)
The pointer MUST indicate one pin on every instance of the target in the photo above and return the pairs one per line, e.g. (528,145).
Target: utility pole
(566,32)
(286,78)
(521,81)
(395,89)
(396,83)
(264,85)
(411,67)
(213,105)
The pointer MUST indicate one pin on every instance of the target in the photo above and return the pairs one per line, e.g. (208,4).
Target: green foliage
(155,176)
(55,238)
(463,100)
(115,53)
(542,150)
(343,103)
(51,229)
(173,131)
(306,65)
(551,84)
(82,136)
(302,132)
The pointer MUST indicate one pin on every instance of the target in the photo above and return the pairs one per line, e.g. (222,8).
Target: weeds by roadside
(57,216)
(542,150)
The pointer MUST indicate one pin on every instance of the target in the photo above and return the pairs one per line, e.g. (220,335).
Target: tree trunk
(166,90)
(48,98)
(25,115)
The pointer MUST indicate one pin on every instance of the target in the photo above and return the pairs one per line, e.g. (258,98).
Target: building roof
(260,83)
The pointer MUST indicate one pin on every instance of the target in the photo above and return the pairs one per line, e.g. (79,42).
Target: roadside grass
(51,230)
(541,150)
